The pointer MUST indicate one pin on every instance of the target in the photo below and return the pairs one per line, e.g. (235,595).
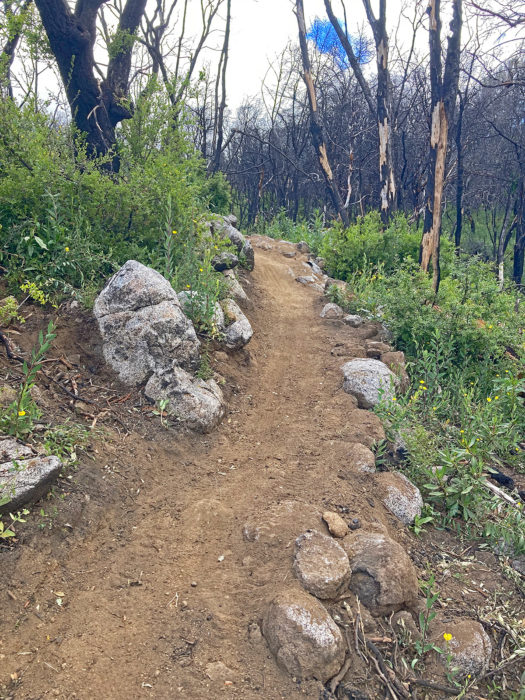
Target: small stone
(369,381)
(404,625)
(303,247)
(336,524)
(254,632)
(383,576)
(375,349)
(354,524)
(353,320)
(302,636)
(194,584)
(289,253)
(403,499)
(362,459)
(305,279)
(26,480)
(7,395)
(224,261)
(238,329)
(469,649)
(321,564)
(218,671)
(331,311)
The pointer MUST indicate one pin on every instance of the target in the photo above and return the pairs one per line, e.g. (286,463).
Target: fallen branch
(500,493)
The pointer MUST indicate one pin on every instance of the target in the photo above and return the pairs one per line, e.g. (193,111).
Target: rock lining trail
(159,589)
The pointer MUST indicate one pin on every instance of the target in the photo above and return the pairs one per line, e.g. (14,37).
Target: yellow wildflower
(200,269)
(489,399)
(174,232)
(66,249)
(421,381)
(447,636)
(21,413)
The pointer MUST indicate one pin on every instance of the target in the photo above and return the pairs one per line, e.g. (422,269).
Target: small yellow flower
(174,232)
(461,431)
(424,388)
(66,249)
(421,381)
(489,399)
(21,413)
(434,408)
(496,398)
(447,636)
(187,286)
(490,326)
(200,269)
(216,247)
(394,398)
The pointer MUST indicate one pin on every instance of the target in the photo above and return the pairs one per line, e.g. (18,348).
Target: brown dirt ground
(133,536)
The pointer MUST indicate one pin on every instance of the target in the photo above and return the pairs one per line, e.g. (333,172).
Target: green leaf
(41,243)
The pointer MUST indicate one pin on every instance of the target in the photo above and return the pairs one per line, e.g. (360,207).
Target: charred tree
(382,108)
(96,106)
(218,134)
(316,126)
(444,89)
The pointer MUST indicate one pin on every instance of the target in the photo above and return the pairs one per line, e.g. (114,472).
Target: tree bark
(219,130)
(316,126)
(443,97)
(96,107)
(7,55)
(382,108)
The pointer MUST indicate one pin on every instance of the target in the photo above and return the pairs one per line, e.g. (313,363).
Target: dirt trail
(162,583)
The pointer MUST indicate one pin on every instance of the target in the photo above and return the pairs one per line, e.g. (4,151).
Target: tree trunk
(7,55)
(316,126)
(519,246)
(381,110)
(96,107)
(218,135)
(443,97)
(459,181)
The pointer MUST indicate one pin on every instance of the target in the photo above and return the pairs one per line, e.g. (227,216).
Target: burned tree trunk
(387,181)
(316,126)
(96,106)
(443,97)
(381,110)
(218,134)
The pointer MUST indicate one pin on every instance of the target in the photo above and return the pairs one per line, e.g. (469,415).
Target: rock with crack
(143,327)
(25,480)
(196,403)
(332,311)
(238,330)
(302,636)
(402,498)
(234,286)
(469,648)
(321,564)
(370,381)
(383,576)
